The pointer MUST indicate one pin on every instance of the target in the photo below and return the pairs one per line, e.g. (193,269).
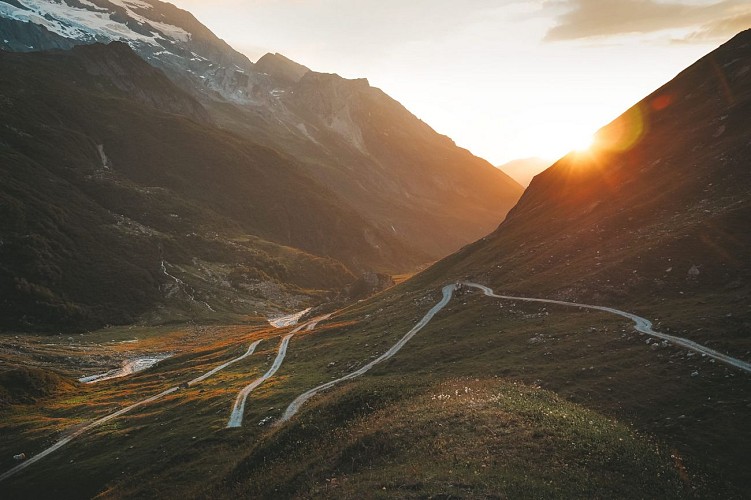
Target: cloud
(604,18)
(720,29)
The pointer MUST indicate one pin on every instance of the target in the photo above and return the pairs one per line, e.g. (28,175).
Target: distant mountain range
(322,178)
(524,169)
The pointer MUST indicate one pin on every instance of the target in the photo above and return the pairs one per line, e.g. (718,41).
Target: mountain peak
(160,33)
(281,67)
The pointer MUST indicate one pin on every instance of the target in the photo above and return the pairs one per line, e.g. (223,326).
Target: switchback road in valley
(448,291)
(236,417)
(96,423)
(640,324)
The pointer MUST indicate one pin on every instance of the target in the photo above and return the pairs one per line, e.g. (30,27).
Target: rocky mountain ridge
(392,168)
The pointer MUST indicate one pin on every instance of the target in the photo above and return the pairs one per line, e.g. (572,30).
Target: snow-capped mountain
(394,169)
(162,34)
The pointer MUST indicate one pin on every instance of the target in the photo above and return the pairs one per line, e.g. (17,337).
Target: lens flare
(625,132)
(662,102)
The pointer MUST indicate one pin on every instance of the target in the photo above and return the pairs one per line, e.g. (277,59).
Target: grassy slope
(388,421)
(463,437)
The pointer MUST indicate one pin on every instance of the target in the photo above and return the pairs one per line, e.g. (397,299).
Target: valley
(670,364)
(231,279)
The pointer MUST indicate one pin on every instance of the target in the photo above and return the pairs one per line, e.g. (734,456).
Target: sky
(505,79)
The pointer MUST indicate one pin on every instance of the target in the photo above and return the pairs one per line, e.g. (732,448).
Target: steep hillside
(118,196)
(392,167)
(395,171)
(389,163)
(656,213)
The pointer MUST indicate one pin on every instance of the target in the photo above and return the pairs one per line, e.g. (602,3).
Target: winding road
(96,423)
(236,417)
(640,324)
(448,291)
(219,368)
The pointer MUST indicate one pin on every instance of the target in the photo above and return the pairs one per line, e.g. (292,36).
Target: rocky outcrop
(281,68)
(19,36)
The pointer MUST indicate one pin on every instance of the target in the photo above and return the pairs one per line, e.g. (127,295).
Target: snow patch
(288,320)
(93,24)
(128,368)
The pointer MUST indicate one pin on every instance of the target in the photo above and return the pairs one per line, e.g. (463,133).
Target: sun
(583,144)
(564,141)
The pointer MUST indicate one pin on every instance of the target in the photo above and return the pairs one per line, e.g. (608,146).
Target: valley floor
(506,396)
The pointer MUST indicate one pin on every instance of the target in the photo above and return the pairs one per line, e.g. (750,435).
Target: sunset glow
(584,144)
(562,142)
(507,79)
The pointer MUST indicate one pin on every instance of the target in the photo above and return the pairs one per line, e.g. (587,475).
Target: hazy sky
(504,78)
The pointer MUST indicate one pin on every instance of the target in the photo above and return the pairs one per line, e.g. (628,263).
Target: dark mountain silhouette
(657,212)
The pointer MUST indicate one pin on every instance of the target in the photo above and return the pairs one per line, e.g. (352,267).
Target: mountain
(389,164)
(281,68)
(426,390)
(393,169)
(653,221)
(165,36)
(524,169)
(120,199)
(656,212)
(318,174)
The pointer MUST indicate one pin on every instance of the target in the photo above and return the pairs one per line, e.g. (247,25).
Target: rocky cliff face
(281,68)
